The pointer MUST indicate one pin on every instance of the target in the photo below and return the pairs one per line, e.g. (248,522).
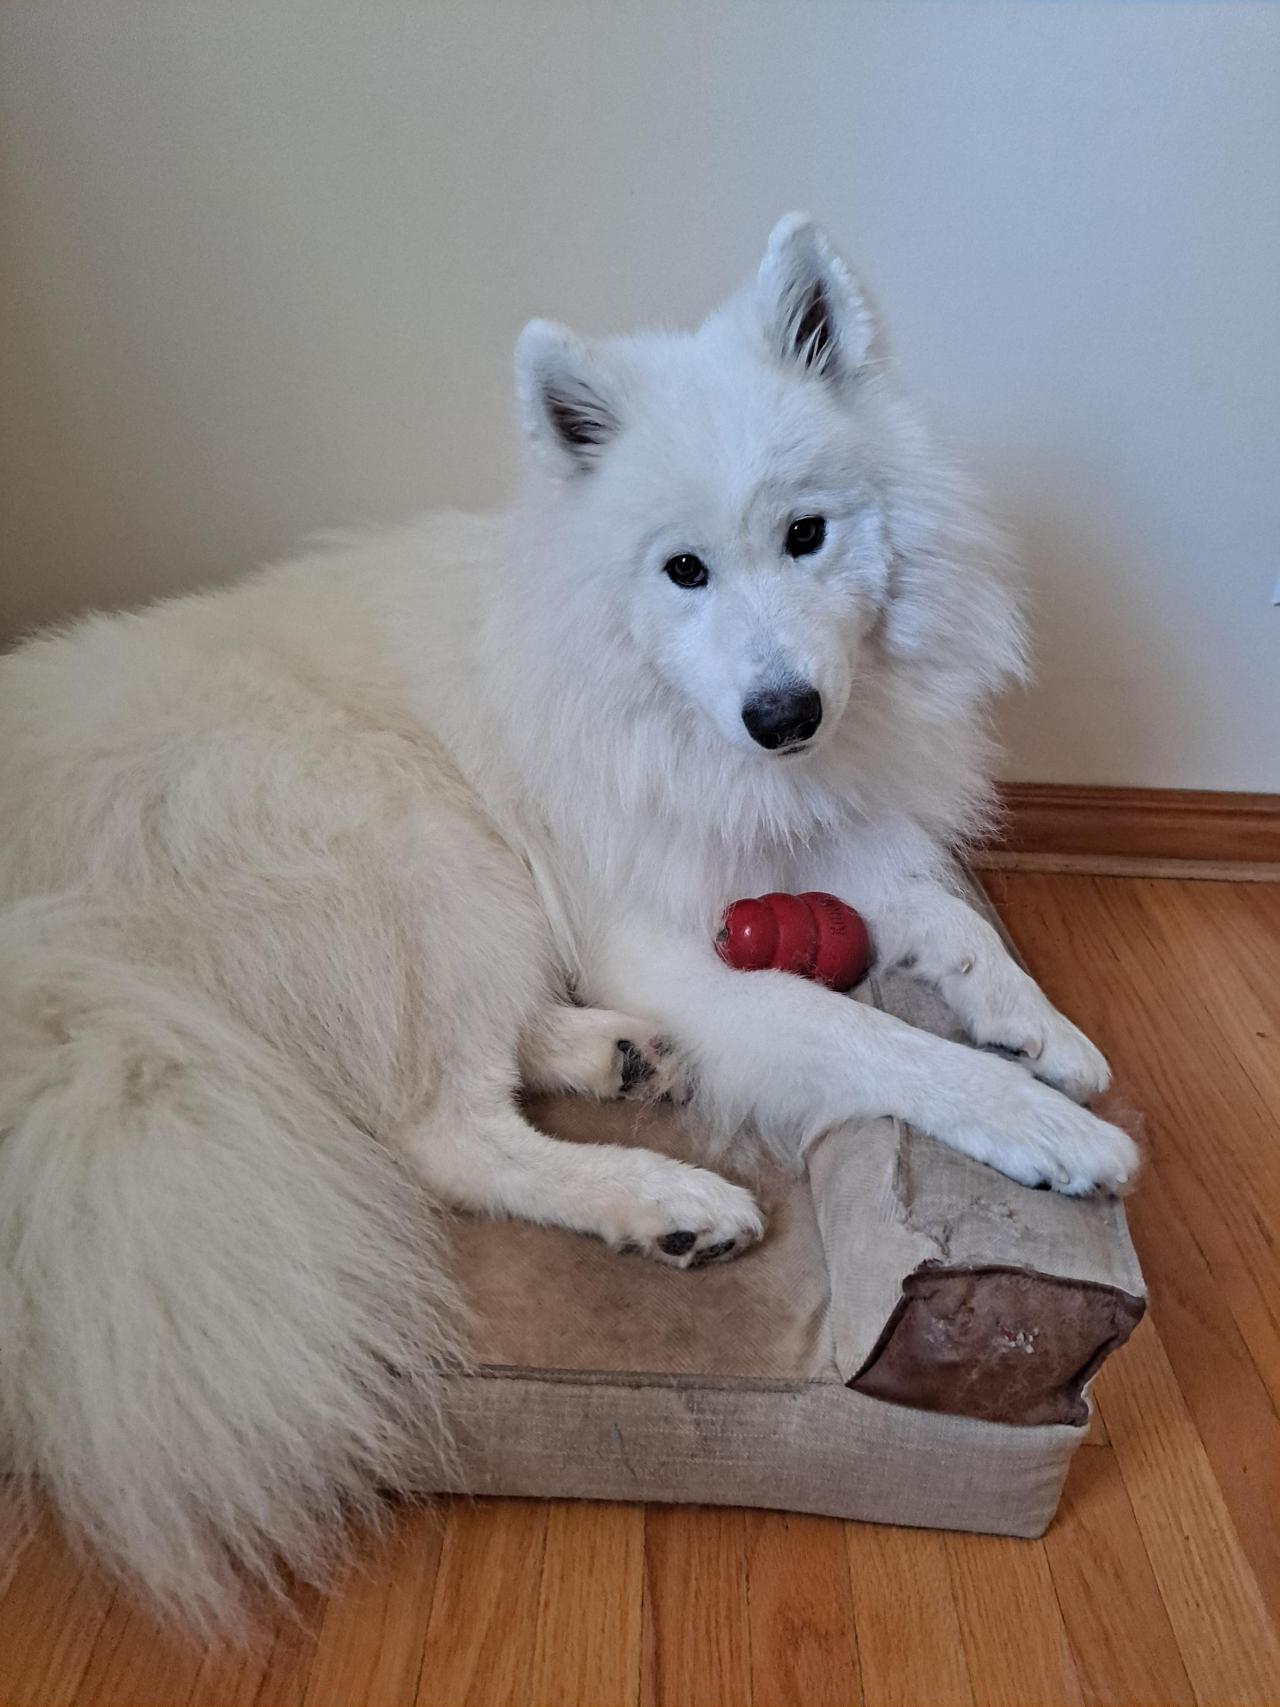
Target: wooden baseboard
(1042,818)
(988,861)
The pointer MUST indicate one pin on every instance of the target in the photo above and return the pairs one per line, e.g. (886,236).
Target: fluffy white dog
(302,879)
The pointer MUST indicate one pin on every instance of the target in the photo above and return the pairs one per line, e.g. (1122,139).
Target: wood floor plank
(68,1635)
(373,1631)
(51,1613)
(1228,1643)
(1015,1641)
(274,1672)
(139,1661)
(1252,947)
(1096,1434)
(1120,1633)
(804,1650)
(484,1616)
(1234,934)
(1229,943)
(1228,1399)
(904,1611)
(587,1647)
(697,1632)
(135,1660)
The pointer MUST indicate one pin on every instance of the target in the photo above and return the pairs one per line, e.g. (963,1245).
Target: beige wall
(263,264)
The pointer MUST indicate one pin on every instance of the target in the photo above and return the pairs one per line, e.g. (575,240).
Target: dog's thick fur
(301,878)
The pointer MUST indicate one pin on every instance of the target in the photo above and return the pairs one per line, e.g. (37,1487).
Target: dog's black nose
(783,718)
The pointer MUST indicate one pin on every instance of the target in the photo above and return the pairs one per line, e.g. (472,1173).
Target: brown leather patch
(1004,1344)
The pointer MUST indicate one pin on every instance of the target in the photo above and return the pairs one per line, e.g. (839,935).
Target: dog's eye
(686,570)
(805,536)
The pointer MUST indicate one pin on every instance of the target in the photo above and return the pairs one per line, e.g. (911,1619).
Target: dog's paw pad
(714,1253)
(678,1244)
(647,1068)
(636,1069)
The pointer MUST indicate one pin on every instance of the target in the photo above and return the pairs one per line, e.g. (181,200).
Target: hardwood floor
(1159,1582)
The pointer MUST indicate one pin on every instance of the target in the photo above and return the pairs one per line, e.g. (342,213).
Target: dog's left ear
(566,403)
(814,310)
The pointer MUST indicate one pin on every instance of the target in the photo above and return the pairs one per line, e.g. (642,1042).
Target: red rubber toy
(813,935)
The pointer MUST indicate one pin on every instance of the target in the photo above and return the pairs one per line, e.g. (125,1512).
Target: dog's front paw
(1055,1051)
(1041,1138)
(646,1067)
(1011,1014)
(683,1216)
(598,1052)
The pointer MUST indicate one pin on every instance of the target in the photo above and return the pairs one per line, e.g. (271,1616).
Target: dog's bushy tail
(223,1313)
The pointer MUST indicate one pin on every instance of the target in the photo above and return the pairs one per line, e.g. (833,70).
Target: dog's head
(723,490)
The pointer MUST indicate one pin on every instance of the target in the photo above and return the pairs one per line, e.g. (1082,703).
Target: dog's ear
(566,407)
(813,308)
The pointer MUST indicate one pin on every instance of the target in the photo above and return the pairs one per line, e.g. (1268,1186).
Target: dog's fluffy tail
(223,1313)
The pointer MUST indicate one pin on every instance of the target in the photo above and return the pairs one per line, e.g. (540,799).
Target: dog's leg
(899,882)
(495,1163)
(799,1059)
(597,1052)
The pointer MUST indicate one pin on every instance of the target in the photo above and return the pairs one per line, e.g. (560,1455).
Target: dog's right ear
(565,404)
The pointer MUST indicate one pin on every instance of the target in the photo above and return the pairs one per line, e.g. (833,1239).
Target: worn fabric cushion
(911,1343)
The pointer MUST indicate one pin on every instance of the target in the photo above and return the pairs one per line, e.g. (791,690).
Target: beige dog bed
(912,1343)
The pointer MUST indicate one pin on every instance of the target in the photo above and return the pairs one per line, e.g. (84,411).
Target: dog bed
(912,1343)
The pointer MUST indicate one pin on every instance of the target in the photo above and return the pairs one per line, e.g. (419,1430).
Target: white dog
(301,880)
